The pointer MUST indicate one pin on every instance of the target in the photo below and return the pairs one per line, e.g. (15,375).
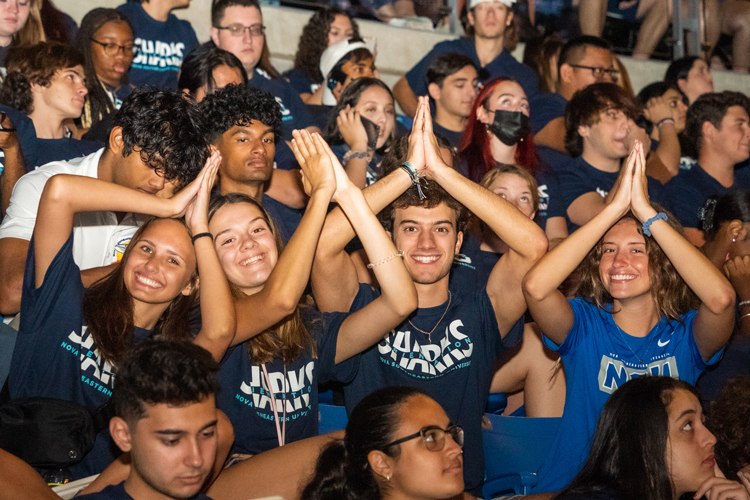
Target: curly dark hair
(165,128)
(729,424)
(35,64)
(709,108)
(671,295)
(163,371)
(584,108)
(99,103)
(239,105)
(314,41)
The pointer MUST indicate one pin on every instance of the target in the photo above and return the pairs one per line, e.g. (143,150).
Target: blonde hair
(507,168)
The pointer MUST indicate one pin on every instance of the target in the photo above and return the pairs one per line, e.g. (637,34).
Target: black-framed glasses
(112,49)
(433,437)
(238,29)
(598,71)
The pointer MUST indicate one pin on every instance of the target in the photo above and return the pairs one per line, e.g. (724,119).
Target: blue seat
(514,449)
(332,418)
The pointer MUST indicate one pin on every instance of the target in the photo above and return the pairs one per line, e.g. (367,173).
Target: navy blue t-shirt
(117,492)
(286,218)
(503,65)
(455,368)
(294,113)
(245,395)
(453,137)
(580,177)
(550,194)
(37,152)
(685,193)
(163,46)
(544,109)
(472,266)
(301,83)
(55,355)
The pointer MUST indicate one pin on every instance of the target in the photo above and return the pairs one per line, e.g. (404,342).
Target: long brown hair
(289,337)
(671,295)
(108,308)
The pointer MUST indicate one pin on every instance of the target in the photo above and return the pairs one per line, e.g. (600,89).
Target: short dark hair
(35,64)
(629,447)
(239,105)
(575,50)
(679,69)
(219,6)
(355,55)
(164,128)
(584,108)
(711,107)
(163,371)
(434,196)
(728,422)
(197,70)
(656,89)
(445,65)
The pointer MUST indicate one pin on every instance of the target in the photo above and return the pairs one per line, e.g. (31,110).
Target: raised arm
(398,296)
(286,284)
(523,236)
(218,322)
(715,319)
(334,275)
(65,195)
(354,134)
(549,307)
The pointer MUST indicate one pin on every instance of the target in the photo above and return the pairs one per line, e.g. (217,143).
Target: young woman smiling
(648,302)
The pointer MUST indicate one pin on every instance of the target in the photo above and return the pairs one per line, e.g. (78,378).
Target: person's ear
(736,231)
(708,131)
(338,90)
(682,84)
(434,90)
(120,432)
(215,36)
(566,73)
(483,115)
(584,131)
(470,17)
(37,89)
(381,464)
(192,285)
(116,143)
(459,242)
(509,18)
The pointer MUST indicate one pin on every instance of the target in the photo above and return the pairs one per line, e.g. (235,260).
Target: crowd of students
(192,245)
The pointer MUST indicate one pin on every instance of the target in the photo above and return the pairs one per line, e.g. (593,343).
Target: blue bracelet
(410,169)
(647,224)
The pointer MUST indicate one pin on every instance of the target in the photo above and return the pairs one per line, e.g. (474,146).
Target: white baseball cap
(474,3)
(331,56)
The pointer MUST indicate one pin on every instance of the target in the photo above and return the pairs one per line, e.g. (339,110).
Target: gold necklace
(429,334)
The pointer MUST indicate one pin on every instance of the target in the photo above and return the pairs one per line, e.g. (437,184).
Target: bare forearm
(356,169)
(91,276)
(669,148)
(405,97)
(286,187)
(13,170)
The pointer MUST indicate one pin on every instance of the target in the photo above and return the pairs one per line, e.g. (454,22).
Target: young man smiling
(471,327)
(166,418)
(489,21)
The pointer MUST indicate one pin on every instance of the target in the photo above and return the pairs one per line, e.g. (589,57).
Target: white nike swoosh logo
(662,345)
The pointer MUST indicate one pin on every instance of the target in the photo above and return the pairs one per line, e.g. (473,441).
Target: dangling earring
(388,477)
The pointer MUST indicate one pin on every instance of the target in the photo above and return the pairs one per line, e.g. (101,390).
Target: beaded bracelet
(410,169)
(647,224)
(387,259)
(663,121)
(744,303)
(357,154)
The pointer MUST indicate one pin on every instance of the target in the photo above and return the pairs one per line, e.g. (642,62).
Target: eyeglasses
(112,49)
(433,437)
(239,29)
(599,72)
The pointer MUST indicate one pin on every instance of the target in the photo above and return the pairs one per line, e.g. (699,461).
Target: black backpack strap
(102,415)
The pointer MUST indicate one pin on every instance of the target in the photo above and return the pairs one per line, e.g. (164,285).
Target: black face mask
(510,126)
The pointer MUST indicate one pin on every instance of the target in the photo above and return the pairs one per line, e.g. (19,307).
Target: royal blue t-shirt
(544,109)
(163,46)
(580,177)
(117,492)
(37,152)
(685,193)
(245,395)
(503,65)
(454,368)
(599,357)
(286,218)
(294,113)
(55,355)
